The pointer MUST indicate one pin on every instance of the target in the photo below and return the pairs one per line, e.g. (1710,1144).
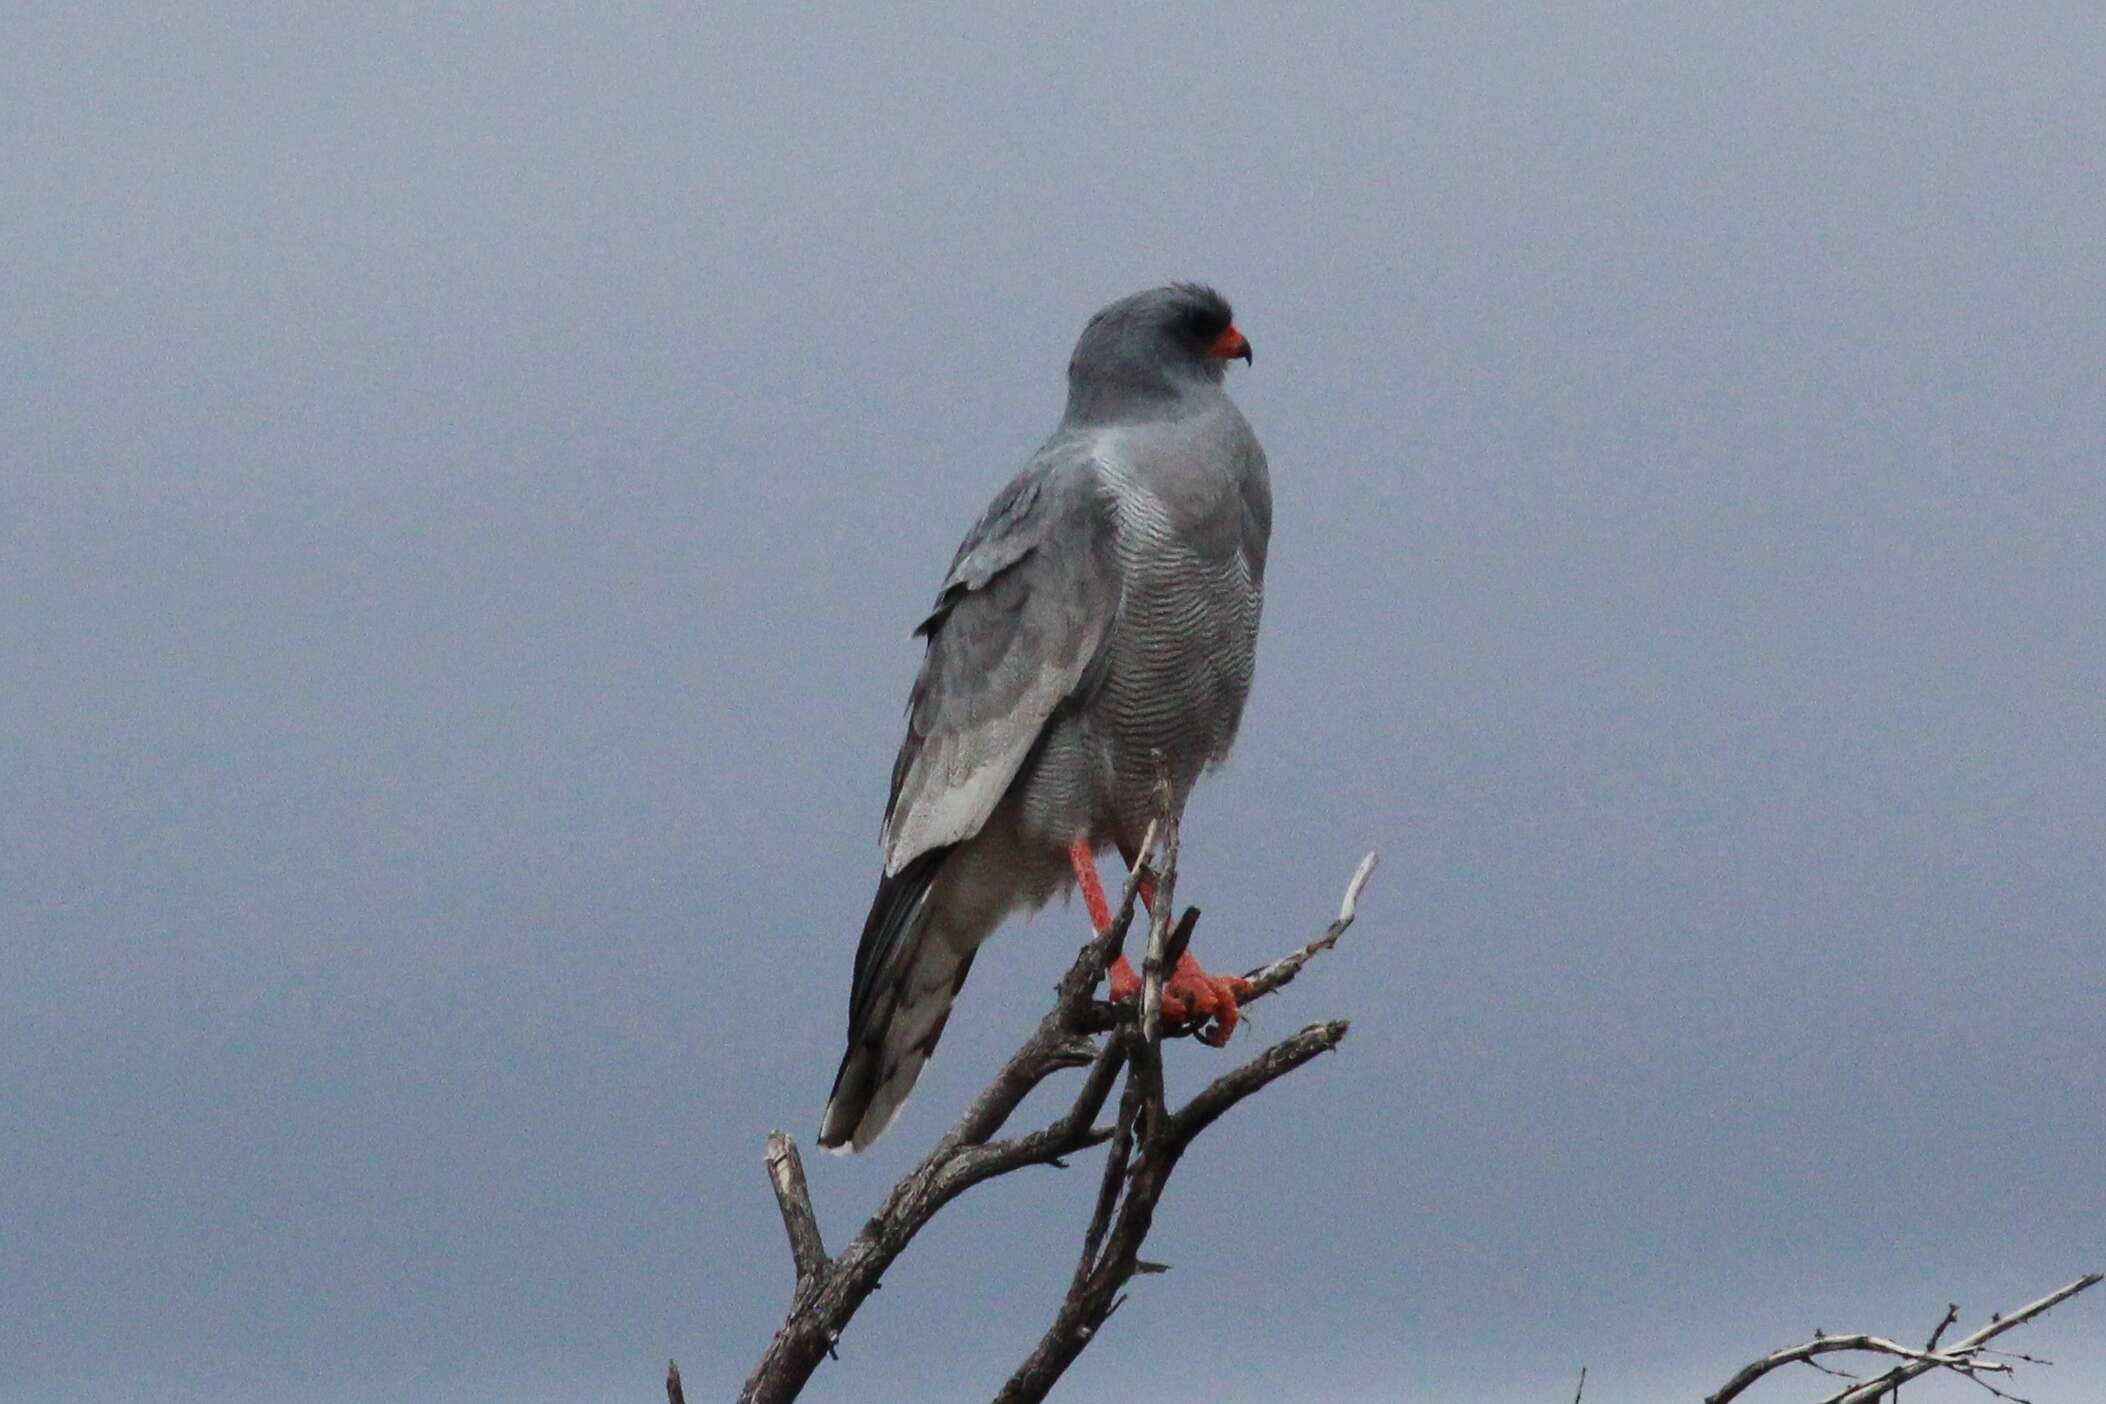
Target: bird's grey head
(1150,348)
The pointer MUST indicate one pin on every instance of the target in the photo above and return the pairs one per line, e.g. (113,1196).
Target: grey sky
(465,481)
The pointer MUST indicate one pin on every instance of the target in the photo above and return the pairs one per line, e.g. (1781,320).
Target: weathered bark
(1963,1357)
(1078,1032)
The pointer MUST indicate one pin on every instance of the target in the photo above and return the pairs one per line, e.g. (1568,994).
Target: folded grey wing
(1018,629)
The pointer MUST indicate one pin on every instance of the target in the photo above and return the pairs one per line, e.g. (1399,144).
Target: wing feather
(1018,627)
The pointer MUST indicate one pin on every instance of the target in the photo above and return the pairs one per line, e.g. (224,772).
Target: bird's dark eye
(1204,320)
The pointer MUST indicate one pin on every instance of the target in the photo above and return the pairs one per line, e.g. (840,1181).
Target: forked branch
(1147,1139)
(1965,1357)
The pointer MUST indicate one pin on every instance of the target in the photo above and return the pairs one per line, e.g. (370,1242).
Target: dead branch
(1964,1357)
(1103,1270)
(1146,1139)
(1951,1317)
(794,1198)
(1267,978)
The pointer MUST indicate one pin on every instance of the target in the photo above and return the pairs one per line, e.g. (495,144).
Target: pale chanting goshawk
(1097,627)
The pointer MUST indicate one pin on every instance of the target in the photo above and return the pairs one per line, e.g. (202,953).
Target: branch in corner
(1963,1357)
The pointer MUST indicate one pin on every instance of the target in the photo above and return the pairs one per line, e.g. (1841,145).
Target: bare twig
(1952,1314)
(1153,969)
(1969,1346)
(1146,1141)
(1964,1357)
(1828,1345)
(1267,978)
(1582,1377)
(794,1198)
(1114,1180)
(1095,1293)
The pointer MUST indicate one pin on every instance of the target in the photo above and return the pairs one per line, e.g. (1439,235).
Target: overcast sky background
(468,477)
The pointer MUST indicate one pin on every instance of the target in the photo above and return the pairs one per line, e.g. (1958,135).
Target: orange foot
(1190,995)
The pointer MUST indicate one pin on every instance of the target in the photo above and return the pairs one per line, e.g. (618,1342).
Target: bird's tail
(907,974)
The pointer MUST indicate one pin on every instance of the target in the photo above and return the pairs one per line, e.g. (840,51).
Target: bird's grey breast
(1193,519)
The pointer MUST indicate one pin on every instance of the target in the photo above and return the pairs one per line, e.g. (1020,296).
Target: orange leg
(1084,863)
(1147,888)
(1190,993)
